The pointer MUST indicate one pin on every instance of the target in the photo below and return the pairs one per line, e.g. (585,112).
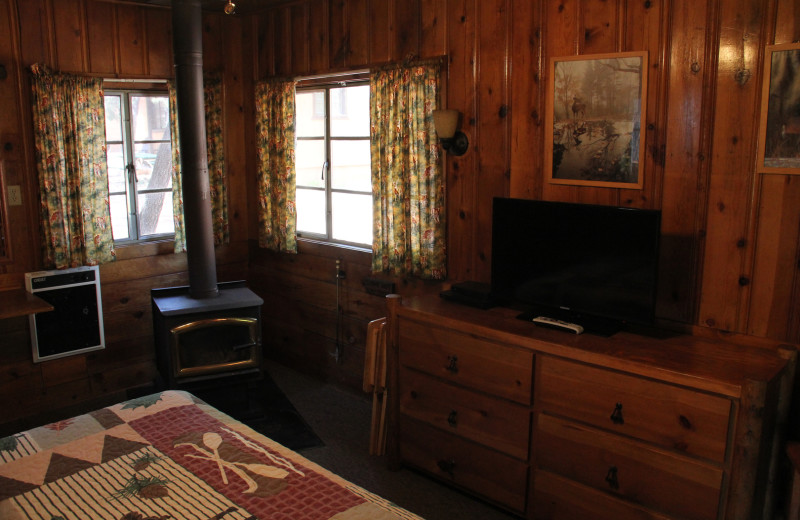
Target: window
(139,158)
(332,161)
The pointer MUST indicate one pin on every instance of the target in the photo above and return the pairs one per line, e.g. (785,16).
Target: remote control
(544,321)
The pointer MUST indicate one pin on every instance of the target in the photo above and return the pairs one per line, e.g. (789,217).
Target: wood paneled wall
(731,236)
(111,40)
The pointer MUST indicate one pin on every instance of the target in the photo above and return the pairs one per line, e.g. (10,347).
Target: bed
(170,456)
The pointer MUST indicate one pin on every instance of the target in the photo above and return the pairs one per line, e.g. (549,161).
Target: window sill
(141,249)
(310,242)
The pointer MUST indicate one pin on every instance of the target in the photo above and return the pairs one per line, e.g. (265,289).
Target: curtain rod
(134,80)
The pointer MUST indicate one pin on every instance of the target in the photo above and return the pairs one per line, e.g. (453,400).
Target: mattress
(170,456)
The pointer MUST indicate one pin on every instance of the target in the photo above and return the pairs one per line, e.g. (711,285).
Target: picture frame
(779,124)
(595,120)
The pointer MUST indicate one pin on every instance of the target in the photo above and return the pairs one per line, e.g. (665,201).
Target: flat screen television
(588,264)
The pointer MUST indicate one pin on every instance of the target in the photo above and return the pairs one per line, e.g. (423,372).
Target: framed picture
(779,128)
(595,114)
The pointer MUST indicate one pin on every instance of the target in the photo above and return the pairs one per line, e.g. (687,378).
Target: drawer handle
(452,419)
(447,466)
(616,415)
(611,478)
(452,364)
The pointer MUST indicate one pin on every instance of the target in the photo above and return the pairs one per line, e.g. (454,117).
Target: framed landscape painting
(595,115)
(779,128)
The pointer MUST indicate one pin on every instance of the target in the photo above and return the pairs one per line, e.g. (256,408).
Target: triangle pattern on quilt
(10,487)
(62,466)
(116,447)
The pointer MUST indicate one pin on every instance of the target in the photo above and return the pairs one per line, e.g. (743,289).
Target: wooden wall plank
(433,28)
(130,28)
(358,33)
(100,30)
(265,48)
(284,40)
(318,50)
(338,42)
(461,171)
(778,218)
(69,36)
(600,26)
(725,280)
(214,52)
(685,172)
(158,23)
(300,49)
(381,30)
(527,102)
(406,29)
(490,143)
(35,33)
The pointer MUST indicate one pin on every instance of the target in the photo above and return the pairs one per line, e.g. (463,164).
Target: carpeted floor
(341,420)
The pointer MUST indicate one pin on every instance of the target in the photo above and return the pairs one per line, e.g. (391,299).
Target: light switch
(14,196)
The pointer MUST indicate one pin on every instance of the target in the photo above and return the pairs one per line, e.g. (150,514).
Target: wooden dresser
(550,425)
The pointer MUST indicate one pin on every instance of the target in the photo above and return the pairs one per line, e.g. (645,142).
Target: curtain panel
(408,185)
(215,148)
(69,140)
(275,136)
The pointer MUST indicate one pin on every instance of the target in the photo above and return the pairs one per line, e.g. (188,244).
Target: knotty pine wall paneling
(105,39)
(727,270)
(730,236)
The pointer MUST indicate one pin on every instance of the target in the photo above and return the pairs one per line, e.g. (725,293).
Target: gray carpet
(341,419)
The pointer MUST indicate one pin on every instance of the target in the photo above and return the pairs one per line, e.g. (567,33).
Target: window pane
(118,205)
(310,211)
(309,158)
(150,118)
(350,111)
(153,163)
(310,113)
(113,118)
(155,214)
(116,169)
(352,217)
(350,165)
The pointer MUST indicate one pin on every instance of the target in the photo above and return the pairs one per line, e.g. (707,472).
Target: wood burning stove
(202,342)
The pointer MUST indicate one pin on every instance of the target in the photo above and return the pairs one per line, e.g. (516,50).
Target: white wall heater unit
(75,325)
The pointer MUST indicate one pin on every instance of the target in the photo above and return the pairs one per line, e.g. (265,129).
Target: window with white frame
(139,156)
(332,161)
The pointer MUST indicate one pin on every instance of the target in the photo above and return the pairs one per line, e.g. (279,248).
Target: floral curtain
(408,185)
(212,89)
(69,139)
(275,135)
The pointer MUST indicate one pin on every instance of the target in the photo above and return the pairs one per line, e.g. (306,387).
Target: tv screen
(588,264)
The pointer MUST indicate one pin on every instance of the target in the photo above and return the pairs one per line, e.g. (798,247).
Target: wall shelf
(18,302)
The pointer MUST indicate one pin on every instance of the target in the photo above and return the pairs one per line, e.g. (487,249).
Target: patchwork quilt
(170,456)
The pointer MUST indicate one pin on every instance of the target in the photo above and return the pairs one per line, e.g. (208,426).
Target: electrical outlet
(14,196)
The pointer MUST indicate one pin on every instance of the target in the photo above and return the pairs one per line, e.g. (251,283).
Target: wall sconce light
(446,123)
(230,7)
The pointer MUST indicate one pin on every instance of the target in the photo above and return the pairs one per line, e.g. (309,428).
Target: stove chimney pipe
(187,44)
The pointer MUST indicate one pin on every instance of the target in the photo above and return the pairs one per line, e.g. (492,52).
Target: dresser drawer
(499,424)
(631,470)
(495,476)
(558,498)
(673,417)
(466,360)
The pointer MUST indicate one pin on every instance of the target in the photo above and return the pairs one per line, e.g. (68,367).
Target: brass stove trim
(253,362)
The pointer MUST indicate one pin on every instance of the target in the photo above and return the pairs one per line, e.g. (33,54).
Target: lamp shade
(445,122)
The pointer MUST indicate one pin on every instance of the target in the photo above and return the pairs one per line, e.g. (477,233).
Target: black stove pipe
(187,44)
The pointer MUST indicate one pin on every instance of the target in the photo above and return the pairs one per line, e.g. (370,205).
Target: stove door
(214,345)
